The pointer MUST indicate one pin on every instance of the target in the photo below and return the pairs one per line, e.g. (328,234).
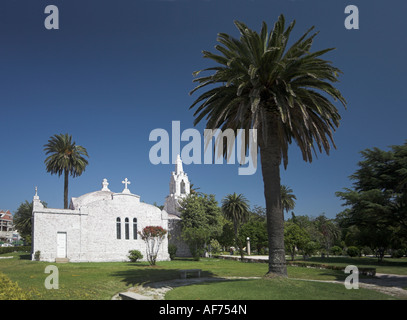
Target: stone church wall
(91,230)
(47,223)
(174,226)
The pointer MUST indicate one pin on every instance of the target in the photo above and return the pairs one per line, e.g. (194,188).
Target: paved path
(157,290)
(392,284)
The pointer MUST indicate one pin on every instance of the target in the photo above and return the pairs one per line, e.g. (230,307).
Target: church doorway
(61,245)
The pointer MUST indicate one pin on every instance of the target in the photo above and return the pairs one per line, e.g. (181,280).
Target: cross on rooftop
(126,182)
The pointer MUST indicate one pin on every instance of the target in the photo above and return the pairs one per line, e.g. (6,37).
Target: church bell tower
(179,188)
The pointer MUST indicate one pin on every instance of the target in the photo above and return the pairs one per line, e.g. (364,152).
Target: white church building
(103,225)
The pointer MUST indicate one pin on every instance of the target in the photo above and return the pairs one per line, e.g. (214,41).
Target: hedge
(365,270)
(15,249)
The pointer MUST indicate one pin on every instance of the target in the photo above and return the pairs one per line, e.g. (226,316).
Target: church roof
(103,194)
(90,197)
(173,216)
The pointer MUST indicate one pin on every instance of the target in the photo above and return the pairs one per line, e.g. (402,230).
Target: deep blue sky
(116,70)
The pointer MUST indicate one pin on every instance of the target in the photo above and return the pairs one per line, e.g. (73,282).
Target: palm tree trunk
(66,173)
(270,164)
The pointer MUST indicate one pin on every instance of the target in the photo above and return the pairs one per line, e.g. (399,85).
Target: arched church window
(182,187)
(126,228)
(118,228)
(135,228)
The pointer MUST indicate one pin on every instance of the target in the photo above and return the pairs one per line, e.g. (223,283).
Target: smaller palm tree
(65,157)
(287,198)
(193,189)
(235,207)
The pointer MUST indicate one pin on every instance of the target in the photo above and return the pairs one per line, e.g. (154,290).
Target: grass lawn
(272,289)
(389,265)
(81,281)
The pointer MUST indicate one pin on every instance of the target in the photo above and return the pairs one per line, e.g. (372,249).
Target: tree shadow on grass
(384,280)
(148,275)
(363,261)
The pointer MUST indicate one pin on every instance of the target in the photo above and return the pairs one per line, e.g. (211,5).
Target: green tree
(256,230)
(295,238)
(22,219)
(283,93)
(65,157)
(226,238)
(310,248)
(302,221)
(258,212)
(235,208)
(377,203)
(201,221)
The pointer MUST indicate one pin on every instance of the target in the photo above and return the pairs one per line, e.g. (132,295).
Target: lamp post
(248,246)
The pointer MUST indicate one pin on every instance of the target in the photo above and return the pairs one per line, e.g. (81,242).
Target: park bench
(368,271)
(184,272)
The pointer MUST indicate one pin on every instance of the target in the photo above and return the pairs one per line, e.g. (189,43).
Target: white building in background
(103,225)
(7,232)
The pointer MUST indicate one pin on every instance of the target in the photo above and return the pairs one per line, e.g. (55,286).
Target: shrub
(366,251)
(336,251)
(352,251)
(135,255)
(197,253)
(398,253)
(216,248)
(10,290)
(310,248)
(37,255)
(153,236)
(172,250)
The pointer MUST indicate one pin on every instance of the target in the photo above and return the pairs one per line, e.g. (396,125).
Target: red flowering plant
(153,236)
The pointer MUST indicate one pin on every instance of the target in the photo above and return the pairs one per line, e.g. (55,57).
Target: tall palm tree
(287,198)
(282,93)
(65,157)
(235,207)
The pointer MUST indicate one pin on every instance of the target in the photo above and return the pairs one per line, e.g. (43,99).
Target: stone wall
(174,226)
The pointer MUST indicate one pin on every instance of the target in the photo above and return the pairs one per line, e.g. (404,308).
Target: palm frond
(257,78)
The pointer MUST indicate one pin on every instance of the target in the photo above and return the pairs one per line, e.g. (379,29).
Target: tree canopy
(377,202)
(201,221)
